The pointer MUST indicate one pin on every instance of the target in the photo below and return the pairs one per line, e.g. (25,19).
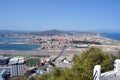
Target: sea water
(15,46)
(24,47)
(115,36)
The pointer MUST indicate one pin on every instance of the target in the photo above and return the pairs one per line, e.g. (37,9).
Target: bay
(23,47)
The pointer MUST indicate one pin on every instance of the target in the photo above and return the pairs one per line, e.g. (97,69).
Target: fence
(111,75)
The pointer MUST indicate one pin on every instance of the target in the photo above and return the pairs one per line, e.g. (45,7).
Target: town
(57,50)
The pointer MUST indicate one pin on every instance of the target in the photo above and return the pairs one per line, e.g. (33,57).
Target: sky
(67,15)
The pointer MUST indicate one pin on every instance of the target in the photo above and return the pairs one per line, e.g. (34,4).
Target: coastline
(68,52)
(113,36)
(109,45)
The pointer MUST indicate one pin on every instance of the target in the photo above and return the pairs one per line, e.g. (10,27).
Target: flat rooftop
(15,60)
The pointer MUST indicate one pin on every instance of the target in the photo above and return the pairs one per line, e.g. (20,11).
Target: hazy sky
(79,15)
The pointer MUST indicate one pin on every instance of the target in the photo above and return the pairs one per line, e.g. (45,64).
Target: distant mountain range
(55,32)
(50,32)
(58,32)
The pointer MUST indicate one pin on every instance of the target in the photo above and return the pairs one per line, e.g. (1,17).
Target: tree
(84,63)
(43,77)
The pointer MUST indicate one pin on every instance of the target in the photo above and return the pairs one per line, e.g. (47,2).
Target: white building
(17,65)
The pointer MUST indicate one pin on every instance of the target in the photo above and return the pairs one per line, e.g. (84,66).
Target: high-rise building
(17,65)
